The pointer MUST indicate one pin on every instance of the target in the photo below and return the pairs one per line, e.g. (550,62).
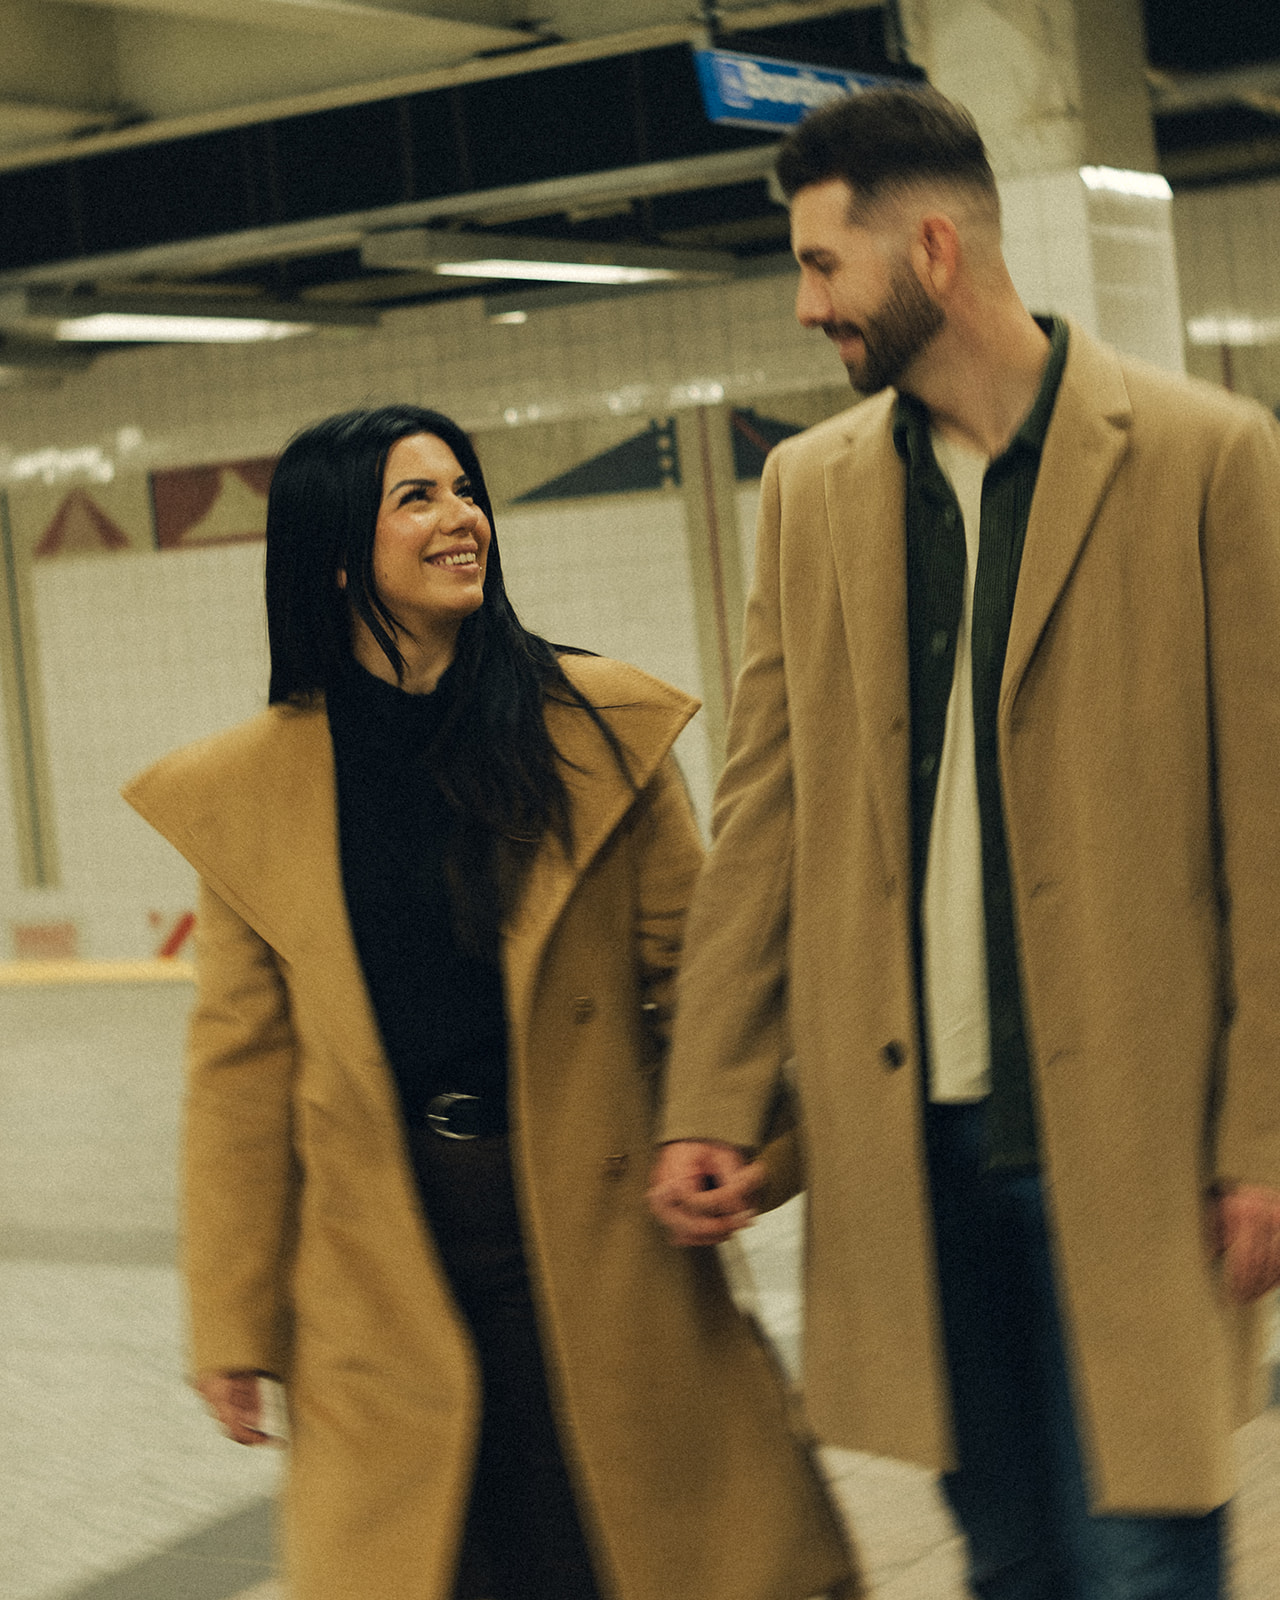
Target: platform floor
(114,1485)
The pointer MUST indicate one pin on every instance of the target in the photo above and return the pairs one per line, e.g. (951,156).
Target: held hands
(1245,1222)
(702,1191)
(234,1400)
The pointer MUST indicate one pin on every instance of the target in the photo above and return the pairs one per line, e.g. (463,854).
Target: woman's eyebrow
(426,483)
(416,483)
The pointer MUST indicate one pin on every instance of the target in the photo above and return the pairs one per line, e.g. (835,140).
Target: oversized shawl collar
(254,811)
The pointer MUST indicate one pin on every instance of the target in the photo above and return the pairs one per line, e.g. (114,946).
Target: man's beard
(893,336)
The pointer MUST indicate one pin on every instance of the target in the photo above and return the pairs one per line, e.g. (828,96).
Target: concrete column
(707,479)
(1057,87)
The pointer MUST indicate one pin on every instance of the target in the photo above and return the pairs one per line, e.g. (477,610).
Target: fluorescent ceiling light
(1116,180)
(1234,328)
(512,319)
(488,256)
(111,327)
(554,271)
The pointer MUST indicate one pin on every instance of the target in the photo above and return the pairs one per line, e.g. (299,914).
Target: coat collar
(1083,447)
(1087,439)
(254,811)
(866,505)
(865,499)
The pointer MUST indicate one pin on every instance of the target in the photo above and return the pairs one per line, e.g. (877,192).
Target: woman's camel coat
(306,1251)
(1139,742)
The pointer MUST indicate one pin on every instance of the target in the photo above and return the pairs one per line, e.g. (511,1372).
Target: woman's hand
(234,1399)
(703,1191)
(1245,1224)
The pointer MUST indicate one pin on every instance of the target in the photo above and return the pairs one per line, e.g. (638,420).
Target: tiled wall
(137,651)
(1229,265)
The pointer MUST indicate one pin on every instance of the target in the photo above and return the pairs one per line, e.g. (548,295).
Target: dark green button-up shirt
(935,593)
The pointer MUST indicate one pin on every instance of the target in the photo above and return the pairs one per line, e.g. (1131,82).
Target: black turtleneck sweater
(440,1009)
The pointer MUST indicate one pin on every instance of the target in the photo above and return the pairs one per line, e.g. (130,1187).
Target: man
(997,869)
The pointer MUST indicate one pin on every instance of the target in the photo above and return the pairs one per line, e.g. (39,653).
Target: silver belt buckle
(439,1111)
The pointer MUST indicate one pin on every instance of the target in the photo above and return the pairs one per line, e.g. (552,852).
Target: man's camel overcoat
(1139,748)
(306,1250)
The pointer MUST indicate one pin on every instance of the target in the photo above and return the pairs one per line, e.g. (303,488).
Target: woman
(442,883)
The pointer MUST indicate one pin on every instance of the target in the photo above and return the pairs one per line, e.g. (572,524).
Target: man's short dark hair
(882,141)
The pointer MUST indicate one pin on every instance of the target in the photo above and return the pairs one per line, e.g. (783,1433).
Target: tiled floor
(113,1483)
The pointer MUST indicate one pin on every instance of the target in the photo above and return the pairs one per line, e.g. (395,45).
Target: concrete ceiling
(68,67)
(79,78)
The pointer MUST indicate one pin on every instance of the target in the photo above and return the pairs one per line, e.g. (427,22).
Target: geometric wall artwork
(753,438)
(79,527)
(651,460)
(221,504)
(647,460)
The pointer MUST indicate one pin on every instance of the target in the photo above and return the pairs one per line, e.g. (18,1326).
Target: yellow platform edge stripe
(37,974)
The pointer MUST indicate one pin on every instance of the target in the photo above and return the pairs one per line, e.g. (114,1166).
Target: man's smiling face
(859,288)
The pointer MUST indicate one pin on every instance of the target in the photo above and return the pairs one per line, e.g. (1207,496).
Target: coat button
(893,1054)
(615,1167)
(584,1008)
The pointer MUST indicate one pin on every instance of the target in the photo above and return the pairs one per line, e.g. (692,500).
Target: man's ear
(342,577)
(935,252)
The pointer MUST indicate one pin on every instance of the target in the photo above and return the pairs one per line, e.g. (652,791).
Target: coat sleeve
(668,853)
(731,1035)
(240,1180)
(1241,554)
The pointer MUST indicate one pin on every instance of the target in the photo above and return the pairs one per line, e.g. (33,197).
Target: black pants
(523,1538)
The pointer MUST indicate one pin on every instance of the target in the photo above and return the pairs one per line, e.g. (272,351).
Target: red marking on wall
(177,936)
(45,941)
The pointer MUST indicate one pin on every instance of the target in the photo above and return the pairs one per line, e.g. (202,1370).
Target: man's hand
(235,1400)
(701,1191)
(1246,1224)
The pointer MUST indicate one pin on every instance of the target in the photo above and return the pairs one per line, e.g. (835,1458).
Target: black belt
(453,1115)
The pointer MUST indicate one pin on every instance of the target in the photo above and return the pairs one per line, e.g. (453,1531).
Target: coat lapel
(1086,441)
(865,497)
(302,877)
(600,799)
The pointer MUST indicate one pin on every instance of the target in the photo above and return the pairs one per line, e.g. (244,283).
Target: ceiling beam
(355,94)
(534,58)
(1257,86)
(326,234)
(371,24)
(23,123)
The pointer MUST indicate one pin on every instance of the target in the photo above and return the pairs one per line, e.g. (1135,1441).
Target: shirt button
(938,643)
(951,516)
(893,1054)
(584,1008)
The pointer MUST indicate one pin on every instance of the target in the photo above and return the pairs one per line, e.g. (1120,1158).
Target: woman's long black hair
(493,758)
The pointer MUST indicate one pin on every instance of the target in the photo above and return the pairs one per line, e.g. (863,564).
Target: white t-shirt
(956,1015)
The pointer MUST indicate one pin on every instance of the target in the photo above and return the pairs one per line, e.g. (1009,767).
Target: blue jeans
(1020,1494)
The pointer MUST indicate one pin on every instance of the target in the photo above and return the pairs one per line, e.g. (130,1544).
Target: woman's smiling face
(431,539)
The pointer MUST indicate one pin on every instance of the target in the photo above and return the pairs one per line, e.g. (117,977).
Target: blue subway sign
(759,92)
